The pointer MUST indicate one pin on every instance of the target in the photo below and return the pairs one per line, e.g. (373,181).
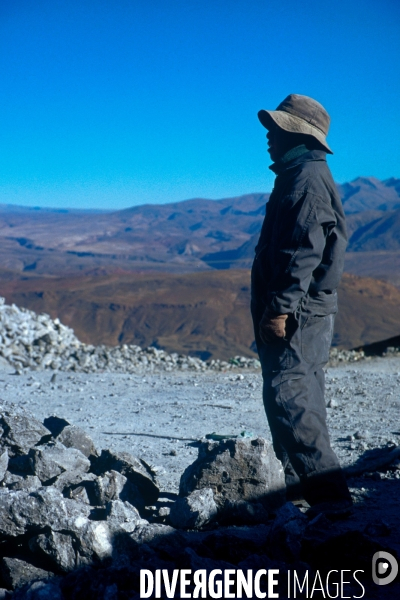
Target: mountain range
(176,275)
(193,235)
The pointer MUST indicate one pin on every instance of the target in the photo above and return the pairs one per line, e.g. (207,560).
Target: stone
(151,533)
(78,493)
(194,511)
(287,531)
(79,488)
(53,459)
(22,512)
(136,470)
(122,516)
(20,430)
(3,464)
(237,470)
(94,541)
(15,572)
(16,482)
(56,547)
(115,486)
(75,437)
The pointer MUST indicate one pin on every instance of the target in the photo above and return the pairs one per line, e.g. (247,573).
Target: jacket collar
(287,162)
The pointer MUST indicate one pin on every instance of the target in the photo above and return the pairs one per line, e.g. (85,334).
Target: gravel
(161,416)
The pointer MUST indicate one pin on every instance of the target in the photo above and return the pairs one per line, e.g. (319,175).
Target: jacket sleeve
(304,222)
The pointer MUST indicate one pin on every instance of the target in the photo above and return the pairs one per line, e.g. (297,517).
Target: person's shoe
(335,509)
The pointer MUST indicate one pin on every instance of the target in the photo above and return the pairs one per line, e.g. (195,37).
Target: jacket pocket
(316,338)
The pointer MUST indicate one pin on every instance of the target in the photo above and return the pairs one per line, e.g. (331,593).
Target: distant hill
(188,236)
(204,314)
(368,193)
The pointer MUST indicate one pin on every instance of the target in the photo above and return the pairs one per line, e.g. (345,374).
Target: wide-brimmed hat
(299,114)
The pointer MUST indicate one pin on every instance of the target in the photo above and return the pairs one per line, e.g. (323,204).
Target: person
(297,267)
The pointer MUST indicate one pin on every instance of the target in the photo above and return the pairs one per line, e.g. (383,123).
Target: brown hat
(299,114)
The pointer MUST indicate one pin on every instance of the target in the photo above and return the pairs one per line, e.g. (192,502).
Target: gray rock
(109,487)
(15,572)
(237,470)
(79,493)
(56,547)
(115,486)
(122,516)
(75,437)
(3,463)
(16,482)
(94,541)
(71,479)
(22,512)
(164,512)
(53,459)
(151,533)
(136,470)
(20,431)
(5,594)
(194,511)
(287,532)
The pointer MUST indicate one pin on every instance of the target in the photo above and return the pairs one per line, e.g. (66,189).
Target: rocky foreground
(77,521)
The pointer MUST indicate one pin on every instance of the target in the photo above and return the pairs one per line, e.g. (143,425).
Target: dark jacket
(300,253)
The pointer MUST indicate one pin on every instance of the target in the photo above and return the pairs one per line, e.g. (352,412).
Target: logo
(384,568)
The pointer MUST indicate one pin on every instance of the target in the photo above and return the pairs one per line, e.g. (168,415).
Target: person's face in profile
(280,141)
(276,142)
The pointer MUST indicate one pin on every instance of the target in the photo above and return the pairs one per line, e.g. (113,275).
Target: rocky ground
(161,416)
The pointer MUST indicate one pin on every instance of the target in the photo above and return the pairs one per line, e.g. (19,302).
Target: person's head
(281,141)
(297,120)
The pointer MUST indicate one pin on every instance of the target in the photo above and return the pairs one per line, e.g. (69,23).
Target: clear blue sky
(111,103)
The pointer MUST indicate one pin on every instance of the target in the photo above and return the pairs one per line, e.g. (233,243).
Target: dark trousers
(293,395)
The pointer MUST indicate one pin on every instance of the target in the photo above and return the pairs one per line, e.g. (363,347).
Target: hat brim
(292,124)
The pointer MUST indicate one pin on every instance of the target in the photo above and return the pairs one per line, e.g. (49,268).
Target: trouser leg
(293,394)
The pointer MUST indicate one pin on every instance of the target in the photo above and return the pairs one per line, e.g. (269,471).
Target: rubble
(34,342)
(77,522)
(237,470)
(137,472)
(31,341)
(194,511)
(74,526)
(15,572)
